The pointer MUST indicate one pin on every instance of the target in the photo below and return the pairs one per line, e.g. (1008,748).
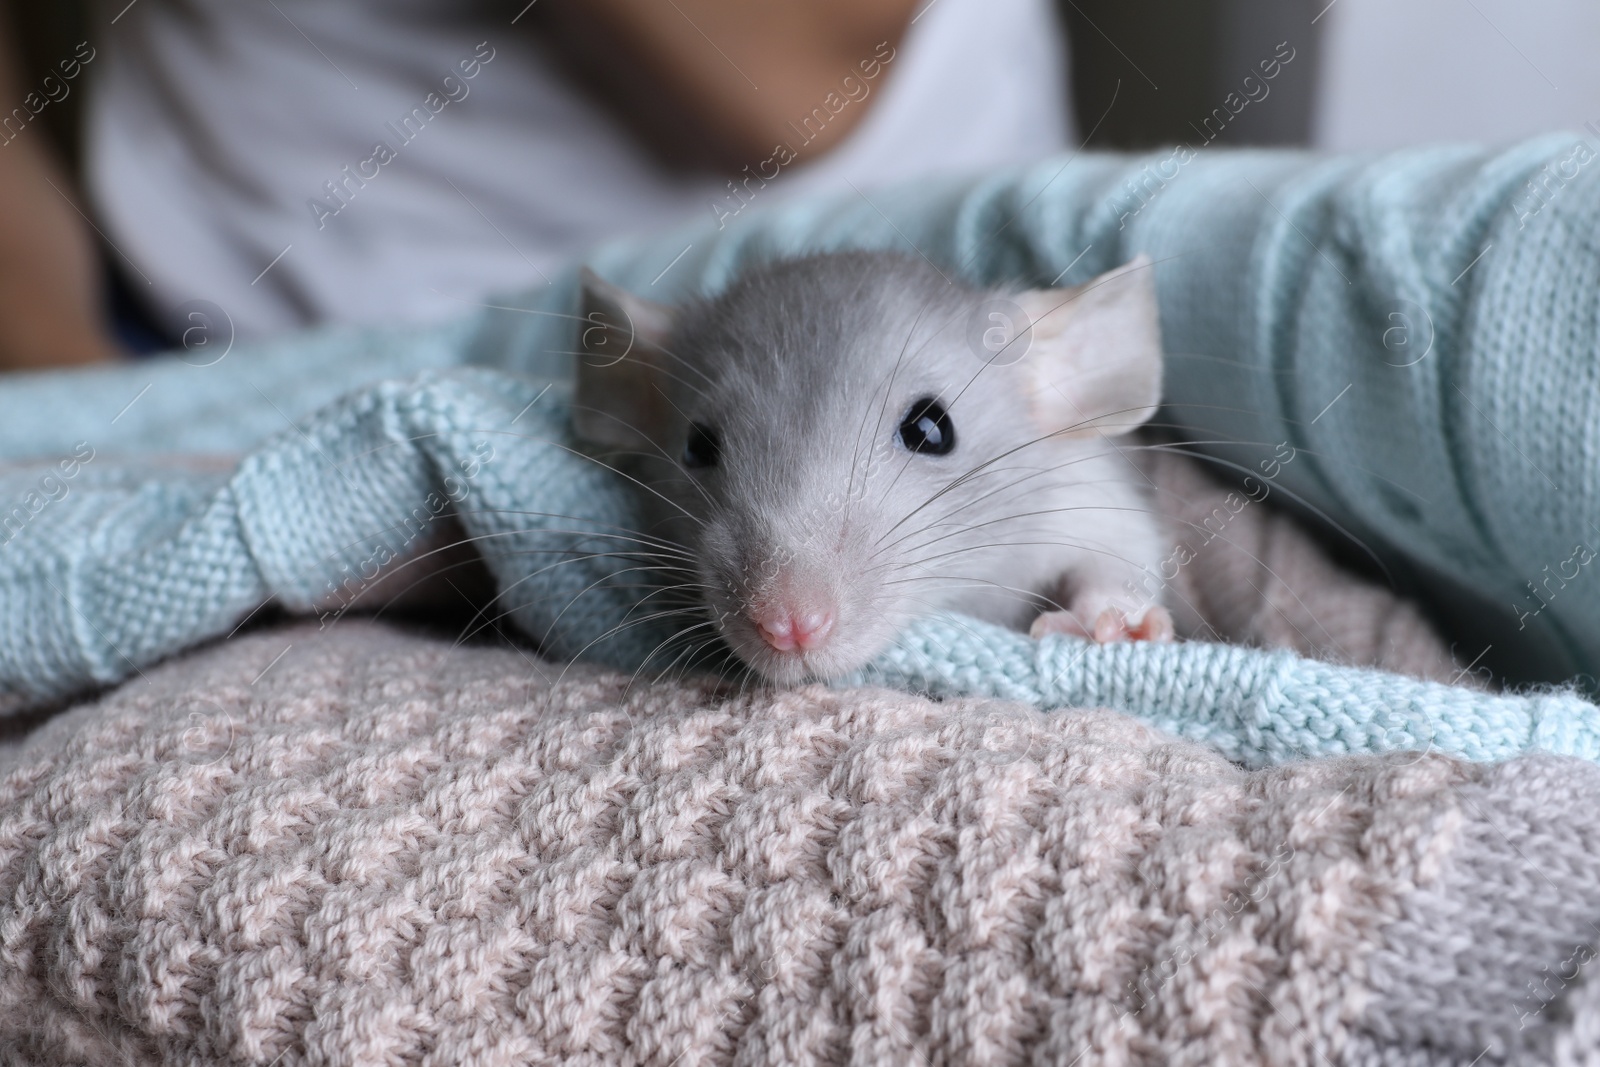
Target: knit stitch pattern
(306,519)
(358,846)
(1470,469)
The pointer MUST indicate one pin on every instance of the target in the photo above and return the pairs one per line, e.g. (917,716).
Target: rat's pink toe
(1112,625)
(1155,626)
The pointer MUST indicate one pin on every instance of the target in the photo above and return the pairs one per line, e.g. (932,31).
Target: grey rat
(840,443)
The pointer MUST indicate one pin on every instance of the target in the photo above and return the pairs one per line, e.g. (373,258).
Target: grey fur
(806,368)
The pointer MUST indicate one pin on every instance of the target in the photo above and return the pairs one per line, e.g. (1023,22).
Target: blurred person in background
(297,162)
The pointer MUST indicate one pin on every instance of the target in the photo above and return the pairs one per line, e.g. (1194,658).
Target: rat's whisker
(385,575)
(893,376)
(1300,500)
(675,637)
(577,657)
(1010,486)
(937,583)
(658,546)
(866,413)
(597,461)
(659,449)
(1032,473)
(1083,547)
(962,479)
(602,580)
(710,650)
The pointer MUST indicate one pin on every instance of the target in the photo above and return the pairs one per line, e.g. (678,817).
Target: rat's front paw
(1112,624)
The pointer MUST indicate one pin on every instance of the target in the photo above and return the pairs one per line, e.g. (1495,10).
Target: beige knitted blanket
(365,846)
(361,846)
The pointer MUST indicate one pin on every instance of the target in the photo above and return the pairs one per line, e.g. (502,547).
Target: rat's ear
(620,400)
(1095,358)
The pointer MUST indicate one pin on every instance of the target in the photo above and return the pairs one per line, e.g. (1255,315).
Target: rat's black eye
(703,448)
(927,428)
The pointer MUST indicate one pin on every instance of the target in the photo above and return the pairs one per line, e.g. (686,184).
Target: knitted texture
(123,572)
(1461,449)
(1256,578)
(1461,974)
(356,846)
(1257,707)
(135,562)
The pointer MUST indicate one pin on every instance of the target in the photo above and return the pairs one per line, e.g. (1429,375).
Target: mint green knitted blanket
(1420,327)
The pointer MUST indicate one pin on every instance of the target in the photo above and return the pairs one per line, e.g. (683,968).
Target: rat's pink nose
(786,631)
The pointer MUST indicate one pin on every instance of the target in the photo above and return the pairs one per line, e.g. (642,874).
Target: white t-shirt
(305,161)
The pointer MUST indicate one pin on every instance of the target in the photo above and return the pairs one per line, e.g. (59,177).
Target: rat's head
(843,442)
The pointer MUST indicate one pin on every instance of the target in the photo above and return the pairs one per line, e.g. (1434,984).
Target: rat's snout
(787,628)
(794,600)
(789,620)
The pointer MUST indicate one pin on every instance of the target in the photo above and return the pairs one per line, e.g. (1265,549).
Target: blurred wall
(1150,72)
(1401,71)
(1368,74)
